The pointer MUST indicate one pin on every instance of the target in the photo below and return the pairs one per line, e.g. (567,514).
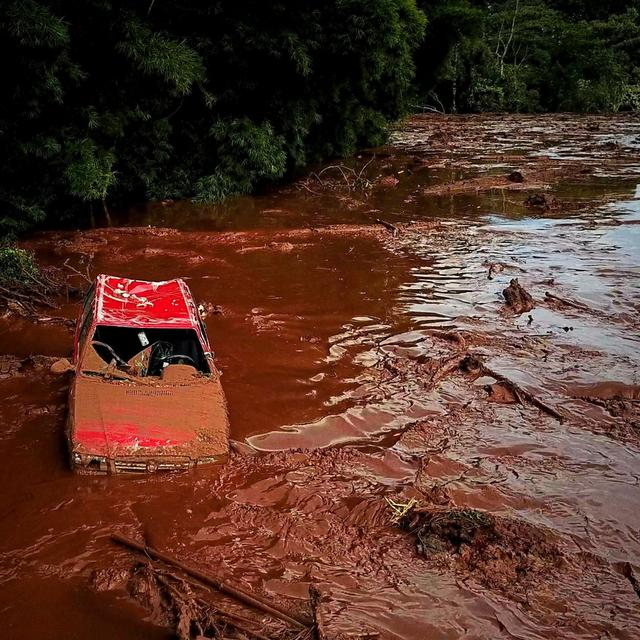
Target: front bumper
(100,465)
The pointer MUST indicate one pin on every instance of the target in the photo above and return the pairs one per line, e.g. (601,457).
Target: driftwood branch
(217,583)
(568,303)
(473,362)
(27,300)
(349,179)
(84,276)
(390,227)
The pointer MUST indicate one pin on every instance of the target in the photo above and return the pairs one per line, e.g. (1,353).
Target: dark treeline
(107,102)
(530,55)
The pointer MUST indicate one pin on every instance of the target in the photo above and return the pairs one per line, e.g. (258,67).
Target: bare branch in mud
(387,225)
(437,109)
(55,320)
(306,187)
(85,276)
(27,301)
(350,179)
(568,303)
(362,170)
(26,287)
(400,509)
(252,600)
(190,616)
(472,362)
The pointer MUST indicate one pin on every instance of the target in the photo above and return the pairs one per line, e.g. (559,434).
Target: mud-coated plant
(18,268)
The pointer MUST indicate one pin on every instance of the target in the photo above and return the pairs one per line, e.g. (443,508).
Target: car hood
(117,418)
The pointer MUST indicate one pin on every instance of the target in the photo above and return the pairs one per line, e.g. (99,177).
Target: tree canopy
(108,102)
(530,55)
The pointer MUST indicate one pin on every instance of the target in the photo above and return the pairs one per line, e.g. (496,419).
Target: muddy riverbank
(435,462)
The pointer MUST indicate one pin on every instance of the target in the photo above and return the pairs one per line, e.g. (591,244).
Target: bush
(18,268)
(115,102)
(248,154)
(531,55)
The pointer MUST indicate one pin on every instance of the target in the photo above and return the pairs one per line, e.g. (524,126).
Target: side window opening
(157,348)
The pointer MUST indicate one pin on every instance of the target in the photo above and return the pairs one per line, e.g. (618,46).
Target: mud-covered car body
(146,395)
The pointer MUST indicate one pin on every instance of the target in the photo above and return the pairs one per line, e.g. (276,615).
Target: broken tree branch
(84,276)
(31,298)
(213,581)
(390,227)
(568,303)
(471,362)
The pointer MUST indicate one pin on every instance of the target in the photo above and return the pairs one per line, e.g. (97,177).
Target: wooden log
(217,583)
(568,303)
(472,362)
(390,227)
(231,619)
(315,598)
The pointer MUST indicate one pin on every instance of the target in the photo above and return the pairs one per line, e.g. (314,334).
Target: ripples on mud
(350,335)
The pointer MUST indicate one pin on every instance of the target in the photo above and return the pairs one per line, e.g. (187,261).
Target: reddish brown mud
(434,465)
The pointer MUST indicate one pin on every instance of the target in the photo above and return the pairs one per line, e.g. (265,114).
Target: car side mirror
(61,366)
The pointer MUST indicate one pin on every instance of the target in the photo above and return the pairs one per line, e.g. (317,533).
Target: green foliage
(115,102)
(33,25)
(531,55)
(18,268)
(155,53)
(247,153)
(89,170)
(17,214)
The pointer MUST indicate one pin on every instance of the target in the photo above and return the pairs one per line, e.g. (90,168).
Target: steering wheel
(116,357)
(161,354)
(181,356)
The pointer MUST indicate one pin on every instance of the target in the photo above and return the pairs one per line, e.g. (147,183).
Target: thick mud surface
(437,458)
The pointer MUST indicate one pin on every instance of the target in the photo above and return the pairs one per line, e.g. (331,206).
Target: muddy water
(333,334)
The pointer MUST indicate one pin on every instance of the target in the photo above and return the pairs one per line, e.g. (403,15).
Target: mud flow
(431,359)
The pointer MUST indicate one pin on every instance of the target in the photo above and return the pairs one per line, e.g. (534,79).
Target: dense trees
(107,101)
(531,55)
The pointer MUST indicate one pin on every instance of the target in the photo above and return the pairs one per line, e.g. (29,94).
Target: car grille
(132,465)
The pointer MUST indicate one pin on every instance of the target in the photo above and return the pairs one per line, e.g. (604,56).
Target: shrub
(110,101)
(18,268)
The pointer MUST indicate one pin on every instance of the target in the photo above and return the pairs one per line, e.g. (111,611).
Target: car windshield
(147,352)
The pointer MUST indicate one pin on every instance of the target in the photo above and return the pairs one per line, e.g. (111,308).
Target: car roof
(124,302)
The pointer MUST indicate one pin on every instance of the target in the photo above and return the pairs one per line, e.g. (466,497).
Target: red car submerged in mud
(146,394)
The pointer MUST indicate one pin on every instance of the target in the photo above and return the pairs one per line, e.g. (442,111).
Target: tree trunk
(107,215)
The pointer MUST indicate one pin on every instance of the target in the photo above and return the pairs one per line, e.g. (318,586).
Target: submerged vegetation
(108,102)
(24,285)
(18,268)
